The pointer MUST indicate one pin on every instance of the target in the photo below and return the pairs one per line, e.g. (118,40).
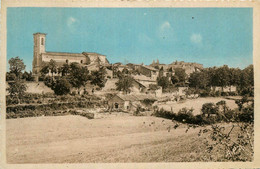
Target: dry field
(196,104)
(120,138)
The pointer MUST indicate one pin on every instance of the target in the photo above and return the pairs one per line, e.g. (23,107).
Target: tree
(235,75)
(124,84)
(199,80)
(98,77)
(16,66)
(10,76)
(27,76)
(64,69)
(62,86)
(52,67)
(174,79)
(222,76)
(78,75)
(17,89)
(209,108)
(180,73)
(163,82)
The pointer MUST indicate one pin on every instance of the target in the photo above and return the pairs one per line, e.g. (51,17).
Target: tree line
(206,78)
(64,77)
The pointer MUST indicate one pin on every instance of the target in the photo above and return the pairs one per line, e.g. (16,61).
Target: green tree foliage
(199,80)
(209,108)
(175,79)
(78,75)
(10,76)
(62,86)
(64,69)
(180,73)
(163,82)
(27,76)
(221,76)
(53,67)
(16,66)
(17,89)
(98,77)
(124,84)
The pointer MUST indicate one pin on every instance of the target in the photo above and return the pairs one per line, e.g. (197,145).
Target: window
(81,61)
(42,41)
(116,105)
(67,61)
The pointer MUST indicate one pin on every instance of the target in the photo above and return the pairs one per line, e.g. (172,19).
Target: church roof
(64,54)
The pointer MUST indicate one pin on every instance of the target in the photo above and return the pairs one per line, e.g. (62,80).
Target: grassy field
(196,104)
(122,138)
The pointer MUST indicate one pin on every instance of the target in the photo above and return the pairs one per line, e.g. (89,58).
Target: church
(40,56)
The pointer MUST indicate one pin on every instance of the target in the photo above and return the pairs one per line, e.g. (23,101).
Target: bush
(62,87)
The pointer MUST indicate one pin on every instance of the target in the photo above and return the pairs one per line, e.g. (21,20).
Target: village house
(128,102)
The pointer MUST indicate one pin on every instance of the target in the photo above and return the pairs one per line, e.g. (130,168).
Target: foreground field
(120,138)
(196,104)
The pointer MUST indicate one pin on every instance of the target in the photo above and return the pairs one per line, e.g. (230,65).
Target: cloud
(166,31)
(71,20)
(72,23)
(166,25)
(196,38)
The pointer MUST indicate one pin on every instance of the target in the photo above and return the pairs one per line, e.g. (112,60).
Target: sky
(210,36)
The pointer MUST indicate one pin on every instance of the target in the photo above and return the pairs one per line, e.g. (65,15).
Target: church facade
(41,56)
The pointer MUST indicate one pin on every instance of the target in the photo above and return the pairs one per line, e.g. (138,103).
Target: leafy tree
(53,67)
(221,76)
(163,82)
(64,69)
(17,89)
(235,75)
(10,76)
(16,66)
(78,75)
(175,79)
(180,73)
(199,80)
(44,70)
(62,86)
(124,84)
(98,77)
(209,108)
(27,76)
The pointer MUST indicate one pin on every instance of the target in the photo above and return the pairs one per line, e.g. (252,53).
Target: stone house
(123,102)
(128,102)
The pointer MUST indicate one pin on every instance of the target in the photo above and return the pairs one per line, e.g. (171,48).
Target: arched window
(81,61)
(67,61)
(42,41)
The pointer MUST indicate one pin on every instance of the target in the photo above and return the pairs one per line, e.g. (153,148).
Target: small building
(128,102)
(123,102)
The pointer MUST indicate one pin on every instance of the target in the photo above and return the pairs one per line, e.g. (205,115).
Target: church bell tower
(38,49)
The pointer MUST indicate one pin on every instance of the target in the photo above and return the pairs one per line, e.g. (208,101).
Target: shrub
(62,87)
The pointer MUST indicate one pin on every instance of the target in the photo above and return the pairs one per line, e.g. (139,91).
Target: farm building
(127,102)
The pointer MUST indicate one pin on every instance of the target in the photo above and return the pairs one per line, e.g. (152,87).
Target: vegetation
(98,77)
(16,87)
(224,76)
(124,84)
(163,81)
(212,113)
(16,66)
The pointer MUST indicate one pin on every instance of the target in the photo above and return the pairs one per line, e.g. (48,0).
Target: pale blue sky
(210,36)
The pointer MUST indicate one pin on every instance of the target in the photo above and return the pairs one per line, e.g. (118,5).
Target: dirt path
(78,139)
